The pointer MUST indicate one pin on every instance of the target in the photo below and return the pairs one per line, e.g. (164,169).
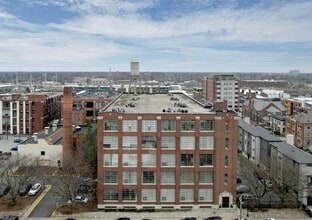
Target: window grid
(149,142)
(110,177)
(186,195)
(206,142)
(187,177)
(167,177)
(168,160)
(149,125)
(110,142)
(110,125)
(187,160)
(205,195)
(148,195)
(168,142)
(206,177)
(129,142)
(167,195)
(129,160)
(168,125)
(129,177)
(129,125)
(207,125)
(129,194)
(110,160)
(148,177)
(111,194)
(205,160)
(187,125)
(148,160)
(187,142)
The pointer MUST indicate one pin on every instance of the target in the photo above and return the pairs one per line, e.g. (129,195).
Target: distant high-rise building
(134,76)
(222,88)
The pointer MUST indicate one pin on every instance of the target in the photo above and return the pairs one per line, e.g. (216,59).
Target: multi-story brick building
(28,113)
(165,151)
(222,88)
(300,126)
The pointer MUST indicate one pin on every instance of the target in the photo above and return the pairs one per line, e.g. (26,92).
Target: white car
(81,199)
(34,189)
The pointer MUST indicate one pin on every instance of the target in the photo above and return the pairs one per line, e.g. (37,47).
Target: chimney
(67,125)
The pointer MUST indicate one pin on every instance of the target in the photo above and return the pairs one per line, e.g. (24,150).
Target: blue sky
(163,35)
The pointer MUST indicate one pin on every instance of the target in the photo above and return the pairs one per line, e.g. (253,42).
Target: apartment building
(222,88)
(165,151)
(28,113)
(288,166)
(300,126)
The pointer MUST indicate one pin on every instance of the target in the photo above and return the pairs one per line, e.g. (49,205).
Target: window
(110,142)
(110,177)
(206,142)
(207,125)
(186,195)
(129,194)
(111,194)
(187,160)
(129,160)
(129,142)
(206,160)
(205,195)
(129,177)
(148,195)
(149,160)
(187,125)
(167,177)
(168,160)
(148,177)
(187,142)
(206,177)
(149,142)
(226,143)
(149,125)
(42,153)
(168,125)
(110,125)
(226,161)
(168,142)
(110,160)
(167,195)
(226,178)
(227,126)
(129,125)
(187,177)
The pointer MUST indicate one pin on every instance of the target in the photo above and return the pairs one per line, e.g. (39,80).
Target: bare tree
(16,173)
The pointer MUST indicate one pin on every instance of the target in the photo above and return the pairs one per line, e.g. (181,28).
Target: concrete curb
(37,201)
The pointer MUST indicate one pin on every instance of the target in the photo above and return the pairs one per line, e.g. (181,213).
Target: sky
(162,35)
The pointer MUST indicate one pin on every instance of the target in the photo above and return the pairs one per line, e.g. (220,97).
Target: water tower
(134,75)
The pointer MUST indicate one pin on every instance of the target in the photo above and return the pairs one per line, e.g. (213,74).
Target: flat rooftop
(156,103)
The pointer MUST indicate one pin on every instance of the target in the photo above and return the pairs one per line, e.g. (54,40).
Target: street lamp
(6,125)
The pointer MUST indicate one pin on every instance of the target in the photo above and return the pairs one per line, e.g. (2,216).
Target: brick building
(165,152)
(222,88)
(300,126)
(28,113)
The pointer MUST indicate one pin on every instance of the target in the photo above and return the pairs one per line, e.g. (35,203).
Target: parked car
(14,148)
(123,218)
(25,189)
(269,219)
(242,189)
(213,218)
(18,140)
(34,189)
(4,190)
(189,218)
(10,217)
(81,199)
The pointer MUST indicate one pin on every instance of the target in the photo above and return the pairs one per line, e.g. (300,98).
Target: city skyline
(174,36)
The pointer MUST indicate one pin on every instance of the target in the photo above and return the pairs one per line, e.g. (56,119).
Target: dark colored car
(123,218)
(4,190)
(18,140)
(25,189)
(189,218)
(10,217)
(213,218)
